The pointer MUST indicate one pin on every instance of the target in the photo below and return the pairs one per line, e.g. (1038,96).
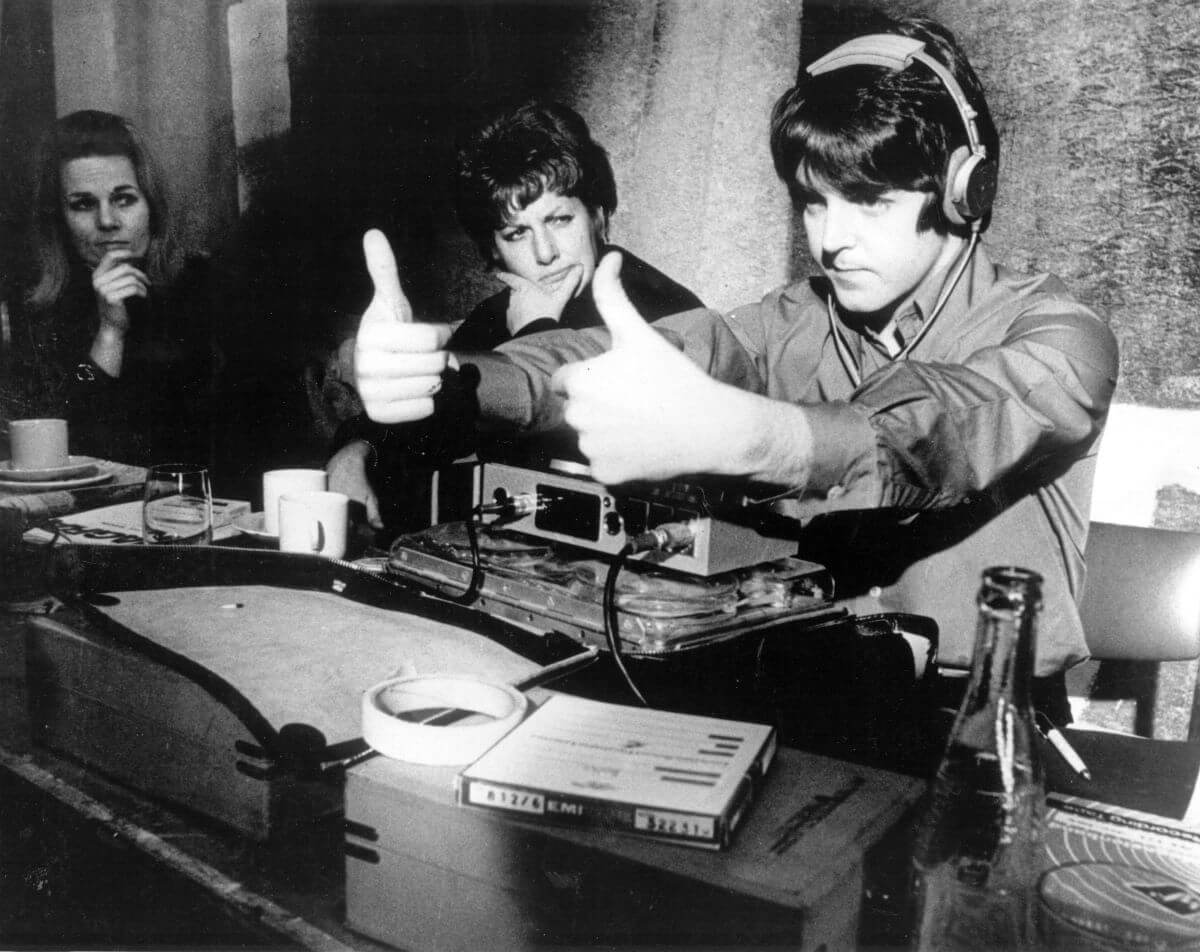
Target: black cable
(471,592)
(611,622)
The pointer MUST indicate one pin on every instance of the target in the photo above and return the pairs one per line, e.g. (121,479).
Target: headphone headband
(971,179)
(898,53)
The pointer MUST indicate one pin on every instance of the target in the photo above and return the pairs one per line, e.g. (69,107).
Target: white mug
(38,444)
(276,482)
(313,522)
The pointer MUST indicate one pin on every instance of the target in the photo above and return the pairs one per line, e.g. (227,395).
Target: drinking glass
(177,505)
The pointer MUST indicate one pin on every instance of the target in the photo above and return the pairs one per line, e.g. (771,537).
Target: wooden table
(465,878)
(295,881)
(226,890)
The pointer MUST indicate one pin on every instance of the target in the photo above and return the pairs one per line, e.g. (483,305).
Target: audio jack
(512,507)
(668,537)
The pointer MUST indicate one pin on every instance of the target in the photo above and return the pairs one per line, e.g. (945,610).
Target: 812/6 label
(523,801)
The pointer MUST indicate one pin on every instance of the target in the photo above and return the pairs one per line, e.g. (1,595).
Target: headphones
(970,174)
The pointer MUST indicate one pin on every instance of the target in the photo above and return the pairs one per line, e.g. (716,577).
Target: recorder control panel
(578,511)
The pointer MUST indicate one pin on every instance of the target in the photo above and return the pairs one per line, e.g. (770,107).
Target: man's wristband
(89,372)
(447,435)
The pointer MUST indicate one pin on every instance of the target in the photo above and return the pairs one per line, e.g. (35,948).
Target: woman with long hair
(111,319)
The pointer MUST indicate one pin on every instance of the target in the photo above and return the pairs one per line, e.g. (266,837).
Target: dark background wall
(26,103)
(380,93)
(679,92)
(1098,104)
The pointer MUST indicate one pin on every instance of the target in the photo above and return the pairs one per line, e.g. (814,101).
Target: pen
(1059,743)
(445,716)
(551,672)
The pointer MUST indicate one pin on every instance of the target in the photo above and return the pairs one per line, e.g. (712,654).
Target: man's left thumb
(622,319)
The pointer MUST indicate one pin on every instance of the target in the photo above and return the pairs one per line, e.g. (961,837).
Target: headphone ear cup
(970,186)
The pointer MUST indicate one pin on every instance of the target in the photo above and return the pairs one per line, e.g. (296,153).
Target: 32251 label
(666,823)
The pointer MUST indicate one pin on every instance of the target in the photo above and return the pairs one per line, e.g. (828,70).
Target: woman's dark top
(651,292)
(160,409)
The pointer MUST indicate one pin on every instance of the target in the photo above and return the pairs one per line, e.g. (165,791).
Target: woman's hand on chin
(116,280)
(531,301)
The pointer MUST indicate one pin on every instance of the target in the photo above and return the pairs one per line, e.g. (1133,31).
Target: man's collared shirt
(975,449)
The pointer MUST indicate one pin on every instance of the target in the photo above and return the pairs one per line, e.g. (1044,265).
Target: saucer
(76,467)
(252,524)
(28,486)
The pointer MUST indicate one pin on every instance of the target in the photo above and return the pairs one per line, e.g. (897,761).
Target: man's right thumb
(381,266)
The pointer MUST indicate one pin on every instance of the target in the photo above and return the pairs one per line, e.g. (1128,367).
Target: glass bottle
(978,850)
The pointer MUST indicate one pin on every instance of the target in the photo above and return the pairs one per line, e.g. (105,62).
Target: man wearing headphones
(922,412)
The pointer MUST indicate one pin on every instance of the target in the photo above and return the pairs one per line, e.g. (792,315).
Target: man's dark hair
(867,129)
(523,152)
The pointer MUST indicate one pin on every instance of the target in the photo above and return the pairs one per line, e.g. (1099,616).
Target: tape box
(422,872)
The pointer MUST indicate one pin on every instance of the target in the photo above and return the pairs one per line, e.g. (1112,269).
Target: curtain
(165,66)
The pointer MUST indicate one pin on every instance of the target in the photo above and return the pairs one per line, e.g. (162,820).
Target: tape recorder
(689,527)
(668,566)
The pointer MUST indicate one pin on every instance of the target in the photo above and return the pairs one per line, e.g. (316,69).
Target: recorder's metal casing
(584,513)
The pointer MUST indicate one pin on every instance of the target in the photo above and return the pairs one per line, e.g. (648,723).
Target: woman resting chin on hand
(113,328)
(534,192)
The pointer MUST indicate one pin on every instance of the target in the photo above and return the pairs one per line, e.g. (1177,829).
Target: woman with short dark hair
(535,192)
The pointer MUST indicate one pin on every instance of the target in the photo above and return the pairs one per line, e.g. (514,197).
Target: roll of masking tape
(439,719)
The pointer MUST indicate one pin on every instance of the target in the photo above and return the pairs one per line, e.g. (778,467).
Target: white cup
(38,444)
(313,522)
(276,482)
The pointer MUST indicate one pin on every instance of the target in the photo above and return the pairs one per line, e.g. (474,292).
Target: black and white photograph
(599,474)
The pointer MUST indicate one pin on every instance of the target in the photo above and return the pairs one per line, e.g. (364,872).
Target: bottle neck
(1004,661)
(1005,639)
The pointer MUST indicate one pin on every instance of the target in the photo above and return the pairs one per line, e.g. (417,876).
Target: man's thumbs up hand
(389,303)
(397,364)
(643,411)
(626,325)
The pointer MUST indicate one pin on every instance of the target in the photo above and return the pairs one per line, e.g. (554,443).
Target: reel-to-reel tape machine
(697,564)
